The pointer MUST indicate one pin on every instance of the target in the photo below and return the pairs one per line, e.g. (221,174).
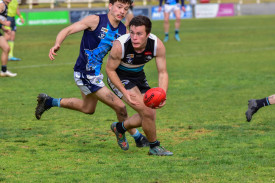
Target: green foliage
(219,65)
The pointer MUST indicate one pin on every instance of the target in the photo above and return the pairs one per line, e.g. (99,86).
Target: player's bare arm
(113,62)
(19,14)
(161,67)
(89,22)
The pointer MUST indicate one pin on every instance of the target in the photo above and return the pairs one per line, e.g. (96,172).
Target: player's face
(138,37)
(118,10)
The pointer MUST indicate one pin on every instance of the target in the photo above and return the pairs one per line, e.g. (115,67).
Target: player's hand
(7,23)
(22,20)
(6,29)
(53,51)
(159,9)
(183,8)
(131,98)
(161,104)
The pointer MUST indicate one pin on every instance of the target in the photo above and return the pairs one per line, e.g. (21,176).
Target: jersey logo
(148,53)
(148,58)
(130,58)
(103,33)
(125,82)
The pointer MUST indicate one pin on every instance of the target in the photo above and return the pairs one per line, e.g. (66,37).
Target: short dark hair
(142,20)
(122,1)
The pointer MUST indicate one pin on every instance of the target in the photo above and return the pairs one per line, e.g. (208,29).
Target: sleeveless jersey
(132,63)
(96,44)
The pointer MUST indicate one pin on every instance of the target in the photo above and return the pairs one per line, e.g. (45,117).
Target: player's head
(141,21)
(119,8)
(140,28)
(121,1)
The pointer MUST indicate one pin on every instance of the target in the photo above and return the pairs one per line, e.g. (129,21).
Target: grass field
(218,66)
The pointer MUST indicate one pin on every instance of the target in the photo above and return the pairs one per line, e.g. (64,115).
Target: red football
(154,97)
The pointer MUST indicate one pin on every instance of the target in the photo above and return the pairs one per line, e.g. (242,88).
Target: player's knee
(88,111)
(149,113)
(121,110)
(6,49)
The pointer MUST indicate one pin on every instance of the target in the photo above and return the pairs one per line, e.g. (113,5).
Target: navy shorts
(138,80)
(13,24)
(88,83)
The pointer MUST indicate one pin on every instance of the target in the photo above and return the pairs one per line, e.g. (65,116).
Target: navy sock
(49,102)
(166,34)
(4,68)
(176,31)
(262,102)
(154,144)
(120,127)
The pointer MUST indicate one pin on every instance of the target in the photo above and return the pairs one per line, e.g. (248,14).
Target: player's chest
(134,58)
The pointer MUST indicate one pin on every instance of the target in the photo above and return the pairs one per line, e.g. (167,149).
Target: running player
(172,6)
(99,33)
(3,42)
(126,77)
(13,10)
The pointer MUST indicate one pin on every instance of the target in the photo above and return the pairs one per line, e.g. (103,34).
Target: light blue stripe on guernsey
(137,69)
(267,101)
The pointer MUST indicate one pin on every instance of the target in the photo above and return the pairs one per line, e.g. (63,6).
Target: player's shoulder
(153,36)
(124,38)
(90,21)
(2,6)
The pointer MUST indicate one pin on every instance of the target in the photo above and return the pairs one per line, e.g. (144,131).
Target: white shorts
(168,8)
(87,83)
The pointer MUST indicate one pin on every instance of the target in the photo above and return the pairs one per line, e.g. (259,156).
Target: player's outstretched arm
(19,14)
(161,67)
(89,22)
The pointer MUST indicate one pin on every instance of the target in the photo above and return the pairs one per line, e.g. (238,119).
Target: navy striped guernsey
(96,44)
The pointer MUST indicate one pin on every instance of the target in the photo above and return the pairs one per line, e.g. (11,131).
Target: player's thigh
(166,16)
(89,101)
(4,44)
(177,13)
(109,98)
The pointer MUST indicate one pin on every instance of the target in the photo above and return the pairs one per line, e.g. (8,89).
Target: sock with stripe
(262,102)
(53,102)
(154,144)
(137,136)
(120,127)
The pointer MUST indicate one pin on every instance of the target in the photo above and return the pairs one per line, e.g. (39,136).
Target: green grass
(218,66)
